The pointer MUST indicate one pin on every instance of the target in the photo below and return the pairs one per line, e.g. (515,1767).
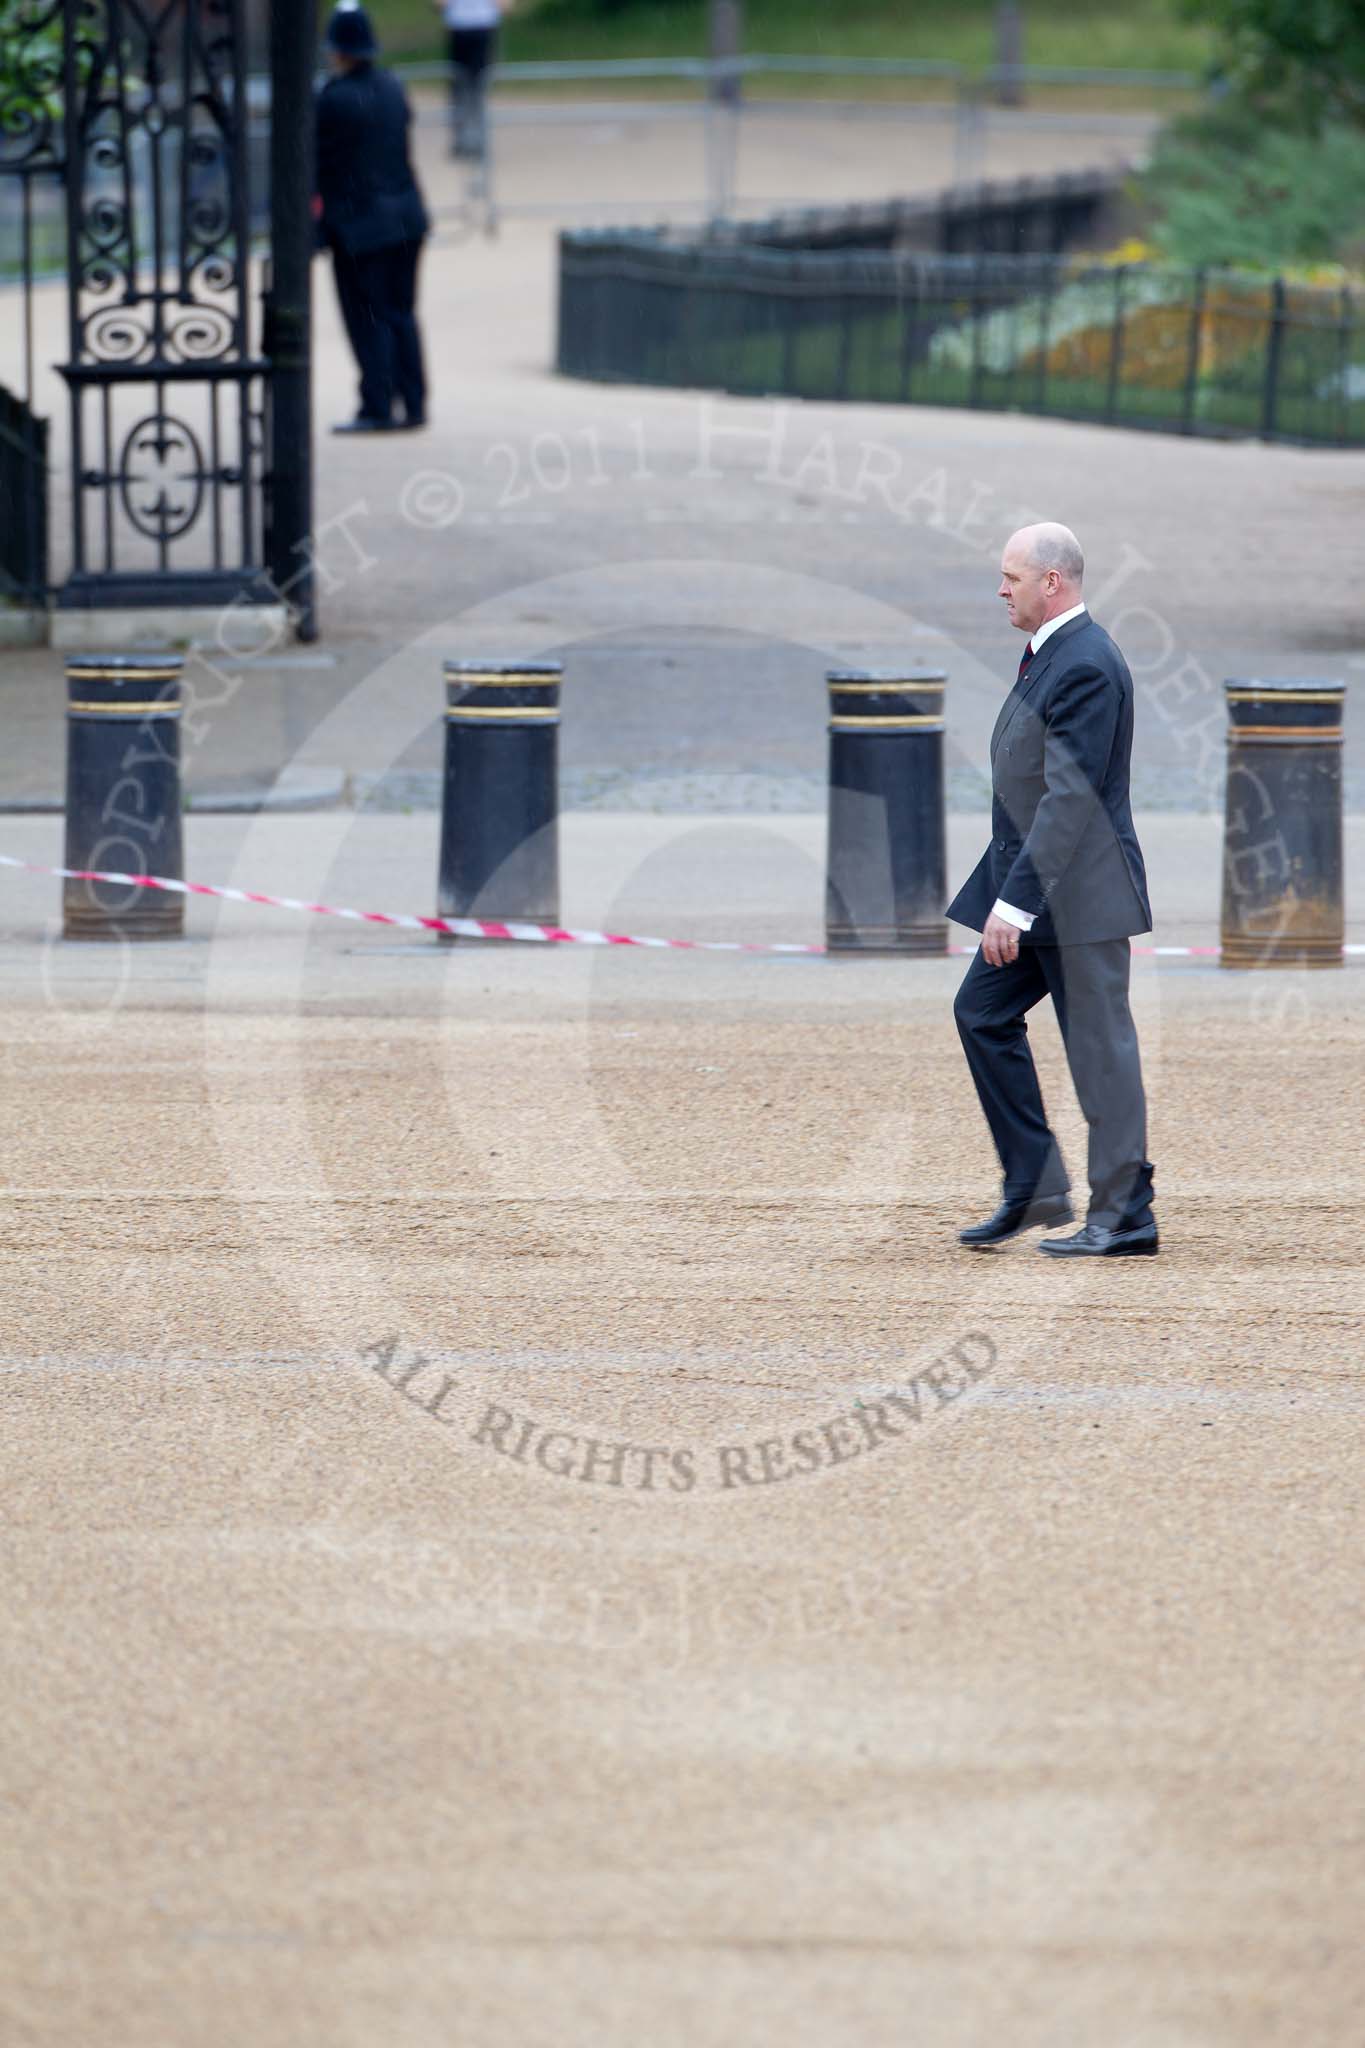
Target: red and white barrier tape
(457,927)
(487,928)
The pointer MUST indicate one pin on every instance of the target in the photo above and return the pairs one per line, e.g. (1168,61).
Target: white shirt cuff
(1022,920)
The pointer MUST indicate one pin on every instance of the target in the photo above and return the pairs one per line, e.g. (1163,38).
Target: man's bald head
(1050,546)
(1041,572)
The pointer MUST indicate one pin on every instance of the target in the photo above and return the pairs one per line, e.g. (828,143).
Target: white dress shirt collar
(1050,626)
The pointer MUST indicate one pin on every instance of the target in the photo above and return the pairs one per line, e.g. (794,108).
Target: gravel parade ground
(523,1524)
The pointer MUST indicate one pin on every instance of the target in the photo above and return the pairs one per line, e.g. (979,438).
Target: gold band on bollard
(907,722)
(887,689)
(1252,950)
(514,713)
(1245,696)
(466,685)
(1284,732)
(124,675)
(474,680)
(158,708)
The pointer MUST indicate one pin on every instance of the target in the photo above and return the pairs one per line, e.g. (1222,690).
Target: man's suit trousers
(378,294)
(1089,989)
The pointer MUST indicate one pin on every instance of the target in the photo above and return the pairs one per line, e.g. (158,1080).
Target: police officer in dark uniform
(372,218)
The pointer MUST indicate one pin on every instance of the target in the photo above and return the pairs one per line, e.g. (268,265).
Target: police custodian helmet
(349,32)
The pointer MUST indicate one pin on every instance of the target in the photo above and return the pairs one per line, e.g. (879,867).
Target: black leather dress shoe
(363,424)
(1044,1212)
(1095,1242)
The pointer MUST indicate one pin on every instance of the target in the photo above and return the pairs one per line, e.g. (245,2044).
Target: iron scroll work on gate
(173,377)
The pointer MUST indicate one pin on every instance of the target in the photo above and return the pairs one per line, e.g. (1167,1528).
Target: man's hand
(1000,941)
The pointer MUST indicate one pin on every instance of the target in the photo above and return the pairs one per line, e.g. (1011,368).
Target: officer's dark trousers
(1089,990)
(378,294)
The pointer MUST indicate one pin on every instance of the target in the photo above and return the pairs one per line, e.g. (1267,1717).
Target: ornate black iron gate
(167,394)
(145,108)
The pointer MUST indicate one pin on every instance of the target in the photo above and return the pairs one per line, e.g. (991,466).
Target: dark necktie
(1024,660)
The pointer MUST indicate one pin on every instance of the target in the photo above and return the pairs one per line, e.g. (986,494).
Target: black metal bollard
(1282,845)
(887,866)
(123,809)
(500,802)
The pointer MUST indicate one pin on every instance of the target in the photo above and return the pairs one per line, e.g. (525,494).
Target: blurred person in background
(371,217)
(471,43)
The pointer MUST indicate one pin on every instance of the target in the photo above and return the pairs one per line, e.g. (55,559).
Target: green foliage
(1307,57)
(1233,190)
(1138,35)
(30,65)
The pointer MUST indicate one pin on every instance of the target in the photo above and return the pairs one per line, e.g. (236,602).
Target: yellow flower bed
(1235,326)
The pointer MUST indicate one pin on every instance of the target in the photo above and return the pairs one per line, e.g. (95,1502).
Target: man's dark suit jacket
(1062,838)
(369,196)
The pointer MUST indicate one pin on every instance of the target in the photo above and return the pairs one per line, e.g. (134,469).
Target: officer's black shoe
(1042,1212)
(363,424)
(411,423)
(1095,1242)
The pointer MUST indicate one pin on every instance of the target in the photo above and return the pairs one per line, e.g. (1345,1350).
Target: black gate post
(289,332)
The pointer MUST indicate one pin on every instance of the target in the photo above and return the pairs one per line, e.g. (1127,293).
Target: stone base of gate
(23,626)
(238,630)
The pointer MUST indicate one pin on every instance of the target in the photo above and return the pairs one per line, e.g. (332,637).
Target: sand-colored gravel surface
(521,1526)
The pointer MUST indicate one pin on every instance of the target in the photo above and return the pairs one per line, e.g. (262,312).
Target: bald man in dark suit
(1056,896)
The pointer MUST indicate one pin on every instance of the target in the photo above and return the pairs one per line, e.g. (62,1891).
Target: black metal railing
(1138,345)
(1012,217)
